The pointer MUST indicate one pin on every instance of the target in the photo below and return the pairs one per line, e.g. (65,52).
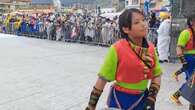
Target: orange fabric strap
(130,91)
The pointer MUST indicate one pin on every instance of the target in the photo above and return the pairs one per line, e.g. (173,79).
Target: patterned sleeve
(157,69)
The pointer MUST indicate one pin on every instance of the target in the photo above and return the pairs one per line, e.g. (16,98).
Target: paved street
(40,74)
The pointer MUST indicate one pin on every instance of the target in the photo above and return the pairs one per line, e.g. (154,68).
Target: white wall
(129,3)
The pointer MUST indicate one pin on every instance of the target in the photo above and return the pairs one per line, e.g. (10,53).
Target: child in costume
(186,53)
(131,63)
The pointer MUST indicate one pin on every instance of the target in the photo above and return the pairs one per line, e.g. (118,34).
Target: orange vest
(189,45)
(130,67)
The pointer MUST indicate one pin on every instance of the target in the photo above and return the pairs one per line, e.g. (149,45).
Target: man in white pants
(164,38)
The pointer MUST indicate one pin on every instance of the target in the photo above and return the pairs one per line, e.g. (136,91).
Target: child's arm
(155,85)
(180,55)
(96,93)
(179,51)
(106,74)
(177,73)
(153,91)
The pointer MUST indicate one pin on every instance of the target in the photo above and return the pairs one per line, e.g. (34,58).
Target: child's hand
(175,76)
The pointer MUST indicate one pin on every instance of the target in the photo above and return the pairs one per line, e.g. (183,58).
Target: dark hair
(153,15)
(190,19)
(125,20)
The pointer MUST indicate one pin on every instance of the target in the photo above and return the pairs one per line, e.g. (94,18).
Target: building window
(135,2)
(127,2)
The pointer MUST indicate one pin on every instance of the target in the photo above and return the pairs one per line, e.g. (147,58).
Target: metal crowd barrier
(86,40)
(97,40)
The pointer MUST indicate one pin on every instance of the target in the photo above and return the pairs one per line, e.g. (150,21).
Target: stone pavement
(47,75)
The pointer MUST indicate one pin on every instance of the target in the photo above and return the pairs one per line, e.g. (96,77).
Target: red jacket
(189,45)
(130,67)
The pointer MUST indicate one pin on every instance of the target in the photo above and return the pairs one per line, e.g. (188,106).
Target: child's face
(139,28)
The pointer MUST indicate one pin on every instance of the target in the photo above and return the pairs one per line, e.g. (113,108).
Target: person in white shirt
(164,39)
